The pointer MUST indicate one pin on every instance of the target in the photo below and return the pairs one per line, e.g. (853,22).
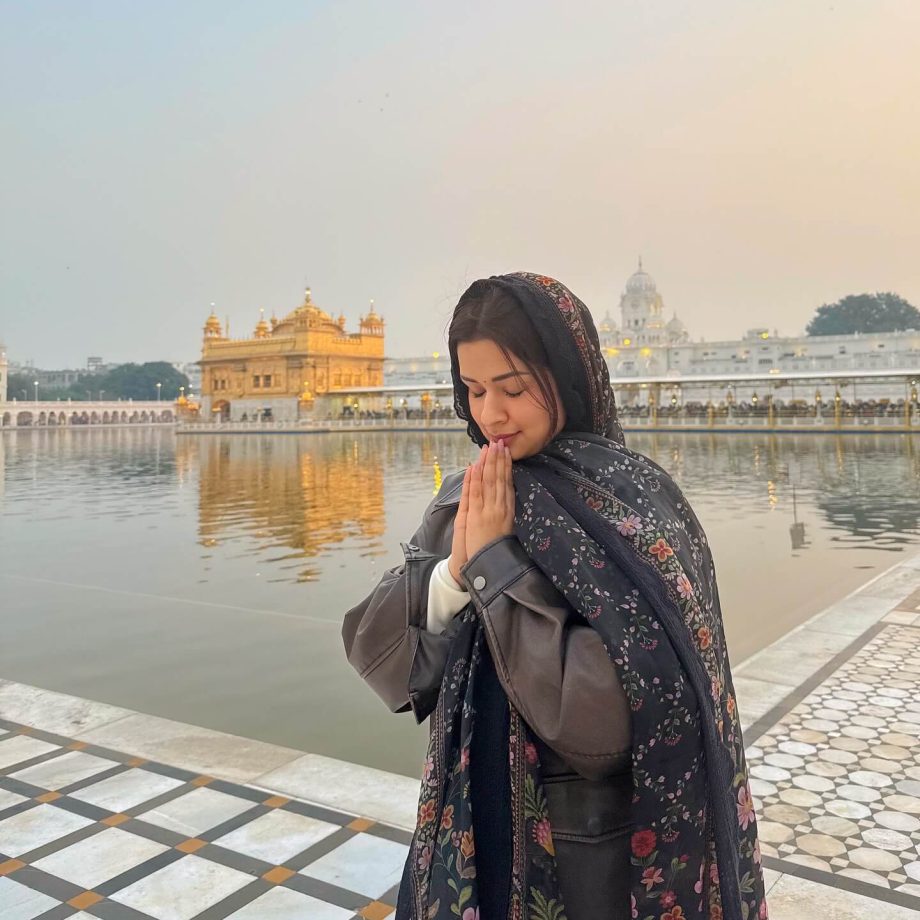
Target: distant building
(644,344)
(642,317)
(58,379)
(192,370)
(4,373)
(284,366)
(432,370)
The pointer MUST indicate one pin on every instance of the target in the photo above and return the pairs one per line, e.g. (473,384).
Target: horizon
(774,334)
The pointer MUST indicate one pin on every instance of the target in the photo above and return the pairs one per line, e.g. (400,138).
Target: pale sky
(763,158)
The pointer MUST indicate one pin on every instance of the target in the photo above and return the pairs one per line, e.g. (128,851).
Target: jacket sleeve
(385,636)
(552,664)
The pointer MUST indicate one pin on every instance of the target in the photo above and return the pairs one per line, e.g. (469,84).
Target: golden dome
(373,318)
(262,330)
(212,325)
(308,313)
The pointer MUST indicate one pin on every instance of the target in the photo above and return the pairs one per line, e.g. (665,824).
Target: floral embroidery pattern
(674,846)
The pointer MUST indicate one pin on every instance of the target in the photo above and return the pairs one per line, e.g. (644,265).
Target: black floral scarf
(612,531)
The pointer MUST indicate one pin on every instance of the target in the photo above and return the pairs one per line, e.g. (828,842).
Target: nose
(493,411)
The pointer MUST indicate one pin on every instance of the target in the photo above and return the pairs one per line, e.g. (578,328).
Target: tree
(880,312)
(127,381)
(20,386)
(139,381)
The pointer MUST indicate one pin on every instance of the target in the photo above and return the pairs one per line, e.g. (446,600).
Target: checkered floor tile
(88,832)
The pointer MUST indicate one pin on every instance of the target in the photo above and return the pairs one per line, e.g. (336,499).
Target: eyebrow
(499,377)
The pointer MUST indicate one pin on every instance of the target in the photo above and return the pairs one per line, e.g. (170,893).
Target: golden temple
(285,365)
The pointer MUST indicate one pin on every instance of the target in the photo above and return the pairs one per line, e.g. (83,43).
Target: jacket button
(479,582)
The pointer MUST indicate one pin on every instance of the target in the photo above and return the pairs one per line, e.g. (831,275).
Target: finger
(509,482)
(475,500)
(488,475)
(501,479)
(465,491)
(458,544)
(464,507)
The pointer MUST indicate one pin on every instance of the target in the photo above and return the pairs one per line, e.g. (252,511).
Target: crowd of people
(674,408)
(798,408)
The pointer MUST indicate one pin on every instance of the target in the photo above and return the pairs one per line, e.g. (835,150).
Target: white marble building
(645,344)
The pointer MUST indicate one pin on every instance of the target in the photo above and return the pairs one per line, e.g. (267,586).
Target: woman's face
(505,399)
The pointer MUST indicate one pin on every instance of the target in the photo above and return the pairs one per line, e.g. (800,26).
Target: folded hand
(490,505)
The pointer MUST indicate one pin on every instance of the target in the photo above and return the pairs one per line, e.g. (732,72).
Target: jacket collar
(452,495)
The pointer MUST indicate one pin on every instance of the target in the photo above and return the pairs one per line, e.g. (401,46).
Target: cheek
(534,416)
(475,409)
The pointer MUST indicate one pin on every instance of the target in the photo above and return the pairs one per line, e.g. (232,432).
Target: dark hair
(496,315)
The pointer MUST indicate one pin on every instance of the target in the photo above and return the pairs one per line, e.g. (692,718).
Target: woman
(558,611)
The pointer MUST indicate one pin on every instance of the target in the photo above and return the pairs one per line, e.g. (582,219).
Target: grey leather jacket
(556,672)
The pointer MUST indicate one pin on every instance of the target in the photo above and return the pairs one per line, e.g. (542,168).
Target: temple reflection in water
(302,496)
(305,496)
(297,495)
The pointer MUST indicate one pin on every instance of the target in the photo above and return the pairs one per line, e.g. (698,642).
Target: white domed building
(676,331)
(607,332)
(642,310)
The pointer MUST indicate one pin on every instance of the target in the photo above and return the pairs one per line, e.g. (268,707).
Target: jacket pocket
(585,810)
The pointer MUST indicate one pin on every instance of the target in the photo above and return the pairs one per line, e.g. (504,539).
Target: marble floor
(193,824)
(836,779)
(86,831)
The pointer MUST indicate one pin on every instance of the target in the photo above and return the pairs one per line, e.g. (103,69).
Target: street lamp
(35,384)
(158,391)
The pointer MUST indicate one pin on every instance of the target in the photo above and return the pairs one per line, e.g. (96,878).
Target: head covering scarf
(614,534)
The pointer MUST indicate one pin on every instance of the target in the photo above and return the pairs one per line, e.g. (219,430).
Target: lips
(505,437)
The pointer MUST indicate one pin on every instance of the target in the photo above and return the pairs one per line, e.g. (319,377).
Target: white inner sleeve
(445,598)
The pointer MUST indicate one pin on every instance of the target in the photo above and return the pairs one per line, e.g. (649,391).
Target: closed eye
(509,395)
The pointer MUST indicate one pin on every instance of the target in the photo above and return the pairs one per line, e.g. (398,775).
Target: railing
(335,424)
(765,423)
(630,423)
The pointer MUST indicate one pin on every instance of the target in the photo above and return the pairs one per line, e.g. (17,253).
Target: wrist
(453,568)
(482,540)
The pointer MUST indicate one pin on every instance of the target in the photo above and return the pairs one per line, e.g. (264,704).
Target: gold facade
(304,355)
